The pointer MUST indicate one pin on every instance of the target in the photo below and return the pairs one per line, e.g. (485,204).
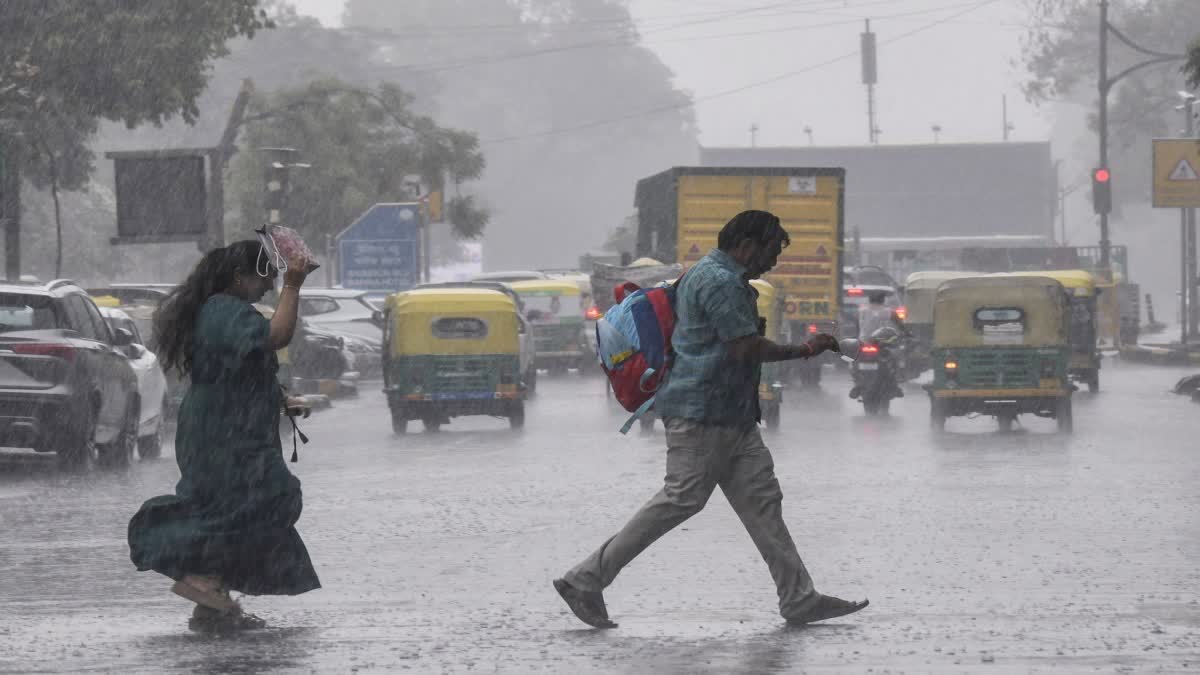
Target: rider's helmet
(886,336)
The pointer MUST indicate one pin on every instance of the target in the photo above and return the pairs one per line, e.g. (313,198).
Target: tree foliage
(557,90)
(64,65)
(1061,55)
(361,143)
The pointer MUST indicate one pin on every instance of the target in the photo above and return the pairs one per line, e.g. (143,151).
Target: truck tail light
(593,313)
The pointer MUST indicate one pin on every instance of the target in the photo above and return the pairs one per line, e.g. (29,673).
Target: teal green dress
(235,508)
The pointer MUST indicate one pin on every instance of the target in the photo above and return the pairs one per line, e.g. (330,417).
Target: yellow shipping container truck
(681,211)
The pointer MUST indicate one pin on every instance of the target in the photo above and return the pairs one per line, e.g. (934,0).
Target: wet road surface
(1027,551)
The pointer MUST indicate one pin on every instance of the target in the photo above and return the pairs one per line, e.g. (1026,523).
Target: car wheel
(150,447)
(78,451)
(1064,415)
(120,452)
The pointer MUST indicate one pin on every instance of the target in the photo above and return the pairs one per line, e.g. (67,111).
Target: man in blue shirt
(709,406)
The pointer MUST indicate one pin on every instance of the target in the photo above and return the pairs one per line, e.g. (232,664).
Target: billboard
(160,197)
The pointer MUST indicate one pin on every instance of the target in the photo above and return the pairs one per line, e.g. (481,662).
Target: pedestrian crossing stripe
(1183,171)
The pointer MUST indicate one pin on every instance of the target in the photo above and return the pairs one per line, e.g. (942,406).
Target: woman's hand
(297,271)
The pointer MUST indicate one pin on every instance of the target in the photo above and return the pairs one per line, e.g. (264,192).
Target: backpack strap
(624,290)
(642,410)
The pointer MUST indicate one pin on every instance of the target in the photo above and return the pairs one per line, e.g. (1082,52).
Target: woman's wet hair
(761,227)
(175,318)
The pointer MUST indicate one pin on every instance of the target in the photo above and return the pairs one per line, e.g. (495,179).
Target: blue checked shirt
(714,305)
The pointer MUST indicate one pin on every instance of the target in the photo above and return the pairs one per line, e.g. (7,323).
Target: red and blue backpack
(633,339)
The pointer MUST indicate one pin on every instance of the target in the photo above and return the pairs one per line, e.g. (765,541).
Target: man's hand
(823,342)
(296,406)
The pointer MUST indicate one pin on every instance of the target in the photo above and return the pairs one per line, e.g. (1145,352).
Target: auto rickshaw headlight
(951,367)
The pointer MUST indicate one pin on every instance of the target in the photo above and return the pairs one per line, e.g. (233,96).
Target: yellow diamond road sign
(1176,173)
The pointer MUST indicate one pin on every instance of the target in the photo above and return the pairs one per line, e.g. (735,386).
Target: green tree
(361,142)
(1061,55)
(556,90)
(64,65)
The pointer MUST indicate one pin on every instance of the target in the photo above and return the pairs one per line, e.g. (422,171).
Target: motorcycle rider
(872,319)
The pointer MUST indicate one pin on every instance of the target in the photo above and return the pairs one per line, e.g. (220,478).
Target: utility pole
(1004,116)
(937,133)
(218,158)
(809,132)
(10,208)
(1187,227)
(754,135)
(870,77)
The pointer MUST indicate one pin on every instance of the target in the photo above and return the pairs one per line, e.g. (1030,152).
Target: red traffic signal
(1101,190)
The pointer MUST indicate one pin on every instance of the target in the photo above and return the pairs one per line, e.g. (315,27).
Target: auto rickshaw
(450,352)
(555,310)
(919,291)
(770,386)
(1085,291)
(1000,347)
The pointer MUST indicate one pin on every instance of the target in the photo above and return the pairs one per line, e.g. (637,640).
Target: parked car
(151,383)
(66,382)
(134,294)
(347,314)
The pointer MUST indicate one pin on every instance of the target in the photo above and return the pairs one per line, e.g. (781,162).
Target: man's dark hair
(762,227)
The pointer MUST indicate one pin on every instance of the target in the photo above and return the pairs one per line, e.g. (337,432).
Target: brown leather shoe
(827,607)
(588,606)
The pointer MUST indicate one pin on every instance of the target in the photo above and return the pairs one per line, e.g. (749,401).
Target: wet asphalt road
(1028,551)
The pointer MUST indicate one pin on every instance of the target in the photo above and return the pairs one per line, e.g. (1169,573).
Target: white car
(151,384)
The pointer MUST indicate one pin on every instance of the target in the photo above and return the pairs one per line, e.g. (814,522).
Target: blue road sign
(378,252)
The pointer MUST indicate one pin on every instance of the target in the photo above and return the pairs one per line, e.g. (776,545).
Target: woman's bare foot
(204,591)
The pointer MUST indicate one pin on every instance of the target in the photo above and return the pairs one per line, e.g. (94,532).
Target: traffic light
(1102,190)
(277,185)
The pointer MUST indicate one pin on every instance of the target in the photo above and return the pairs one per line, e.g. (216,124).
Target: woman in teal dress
(230,526)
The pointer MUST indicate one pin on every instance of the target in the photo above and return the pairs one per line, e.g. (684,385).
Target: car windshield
(27,312)
(550,307)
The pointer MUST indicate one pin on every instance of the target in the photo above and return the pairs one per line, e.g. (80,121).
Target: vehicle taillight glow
(593,313)
(902,313)
(812,328)
(854,291)
(870,349)
(64,352)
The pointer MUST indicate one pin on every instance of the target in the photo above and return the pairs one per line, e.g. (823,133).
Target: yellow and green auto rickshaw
(919,291)
(1085,292)
(450,352)
(555,311)
(770,386)
(1000,347)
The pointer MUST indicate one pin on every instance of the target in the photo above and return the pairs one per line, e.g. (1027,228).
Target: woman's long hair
(175,318)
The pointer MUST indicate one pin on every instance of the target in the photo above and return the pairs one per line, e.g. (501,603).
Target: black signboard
(160,197)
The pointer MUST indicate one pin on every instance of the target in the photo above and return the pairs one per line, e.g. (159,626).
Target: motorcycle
(876,371)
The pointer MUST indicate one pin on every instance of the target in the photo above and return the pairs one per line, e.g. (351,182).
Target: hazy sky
(941,62)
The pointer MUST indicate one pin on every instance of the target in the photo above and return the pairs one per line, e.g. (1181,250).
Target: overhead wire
(494,59)
(730,92)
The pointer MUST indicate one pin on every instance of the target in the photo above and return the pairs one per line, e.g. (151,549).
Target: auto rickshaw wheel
(647,422)
(399,423)
(516,417)
(432,425)
(937,415)
(531,382)
(1006,421)
(1093,383)
(1064,415)
(771,416)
